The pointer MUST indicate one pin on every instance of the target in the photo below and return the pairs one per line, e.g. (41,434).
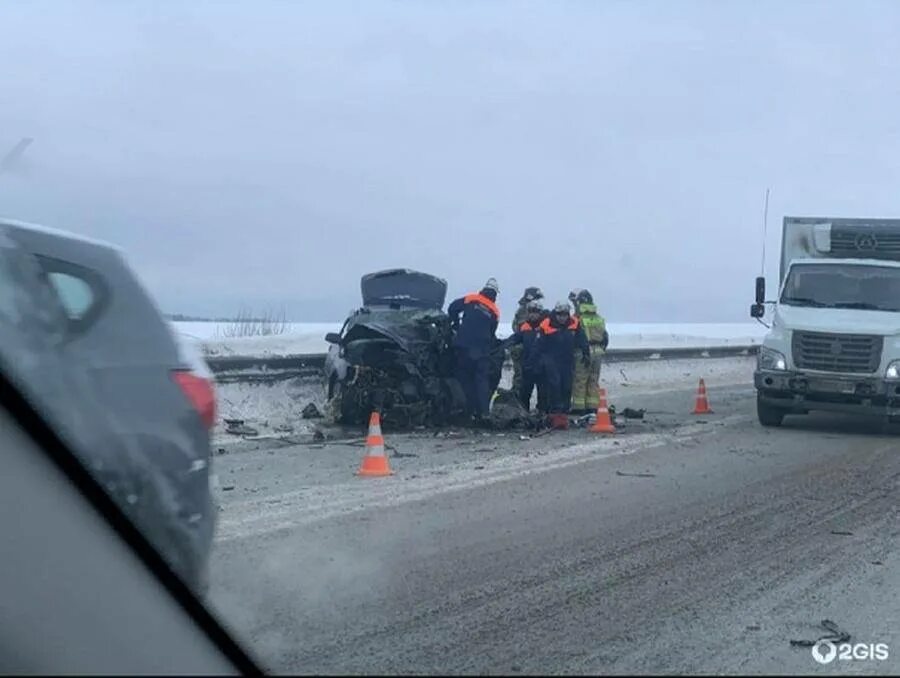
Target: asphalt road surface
(681,545)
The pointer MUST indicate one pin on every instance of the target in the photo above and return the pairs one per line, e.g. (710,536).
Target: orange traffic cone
(375,463)
(701,405)
(604,422)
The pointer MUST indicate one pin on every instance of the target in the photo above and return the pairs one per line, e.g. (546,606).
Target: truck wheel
(890,426)
(769,415)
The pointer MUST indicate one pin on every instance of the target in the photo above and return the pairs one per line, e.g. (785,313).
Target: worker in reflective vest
(474,319)
(586,384)
(558,338)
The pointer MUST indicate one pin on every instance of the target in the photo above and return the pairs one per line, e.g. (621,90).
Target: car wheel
(768,414)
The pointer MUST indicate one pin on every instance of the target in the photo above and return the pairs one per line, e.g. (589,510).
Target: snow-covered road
(683,543)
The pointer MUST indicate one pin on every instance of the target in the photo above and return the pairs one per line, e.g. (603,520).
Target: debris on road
(507,412)
(227,488)
(311,412)
(239,428)
(629,413)
(835,635)
(842,533)
(582,421)
(636,475)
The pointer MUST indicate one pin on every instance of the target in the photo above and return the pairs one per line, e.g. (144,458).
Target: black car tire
(769,415)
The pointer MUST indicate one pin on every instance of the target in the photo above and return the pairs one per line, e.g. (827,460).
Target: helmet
(533,307)
(562,307)
(573,295)
(491,284)
(584,297)
(531,294)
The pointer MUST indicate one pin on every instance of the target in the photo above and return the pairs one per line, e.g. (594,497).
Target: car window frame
(45,313)
(95,281)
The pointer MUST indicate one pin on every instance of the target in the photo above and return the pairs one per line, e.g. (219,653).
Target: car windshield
(850,286)
(271,269)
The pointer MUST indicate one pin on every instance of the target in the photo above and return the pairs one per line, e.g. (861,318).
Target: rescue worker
(474,319)
(586,385)
(530,295)
(523,339)
(573,298)
(558,337)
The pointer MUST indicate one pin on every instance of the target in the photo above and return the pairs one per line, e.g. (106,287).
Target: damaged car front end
(393,355)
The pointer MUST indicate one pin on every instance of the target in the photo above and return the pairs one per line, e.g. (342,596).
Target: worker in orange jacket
(559,336)
(474,319)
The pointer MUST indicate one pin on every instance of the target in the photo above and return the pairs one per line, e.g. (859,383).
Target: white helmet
(491,284)
(562,307)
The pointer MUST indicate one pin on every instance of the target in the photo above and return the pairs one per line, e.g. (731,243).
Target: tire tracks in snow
(287,510)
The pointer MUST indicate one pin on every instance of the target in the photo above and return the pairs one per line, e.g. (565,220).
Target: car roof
(28,227)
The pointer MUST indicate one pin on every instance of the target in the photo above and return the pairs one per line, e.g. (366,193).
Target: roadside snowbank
(306,338)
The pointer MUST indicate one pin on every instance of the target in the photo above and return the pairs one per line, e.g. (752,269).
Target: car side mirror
(760,290)
(333,338)
(757,311)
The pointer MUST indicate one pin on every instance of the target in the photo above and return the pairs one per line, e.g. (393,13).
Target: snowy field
(305,338)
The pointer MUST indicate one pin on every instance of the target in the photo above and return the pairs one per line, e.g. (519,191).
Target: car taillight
(200,393)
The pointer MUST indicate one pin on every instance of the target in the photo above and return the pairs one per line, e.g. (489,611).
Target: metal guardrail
(267,369)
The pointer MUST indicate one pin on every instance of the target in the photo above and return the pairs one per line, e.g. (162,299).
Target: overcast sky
(268,154)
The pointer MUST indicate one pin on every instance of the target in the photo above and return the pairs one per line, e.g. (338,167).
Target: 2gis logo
(826,652)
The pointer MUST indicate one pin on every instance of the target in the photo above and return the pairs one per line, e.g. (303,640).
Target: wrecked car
(394,355)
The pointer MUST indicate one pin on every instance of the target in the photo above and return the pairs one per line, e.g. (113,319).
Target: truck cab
(834,341)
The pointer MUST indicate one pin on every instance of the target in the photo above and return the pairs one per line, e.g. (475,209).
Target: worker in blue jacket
(559,336)
(474,319)
(525,336)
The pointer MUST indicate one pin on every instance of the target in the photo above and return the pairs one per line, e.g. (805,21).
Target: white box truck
(834,342)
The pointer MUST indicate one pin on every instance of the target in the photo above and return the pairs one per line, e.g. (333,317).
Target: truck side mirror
(757,311)
(333,338)
(760,290)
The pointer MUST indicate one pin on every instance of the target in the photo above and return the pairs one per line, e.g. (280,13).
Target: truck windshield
(874,288)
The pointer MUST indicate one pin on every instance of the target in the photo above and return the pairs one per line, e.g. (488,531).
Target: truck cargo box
(837,238)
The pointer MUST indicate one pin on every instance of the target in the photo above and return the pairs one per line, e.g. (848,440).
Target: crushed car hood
(403,288)
(353,332)
(404,328)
